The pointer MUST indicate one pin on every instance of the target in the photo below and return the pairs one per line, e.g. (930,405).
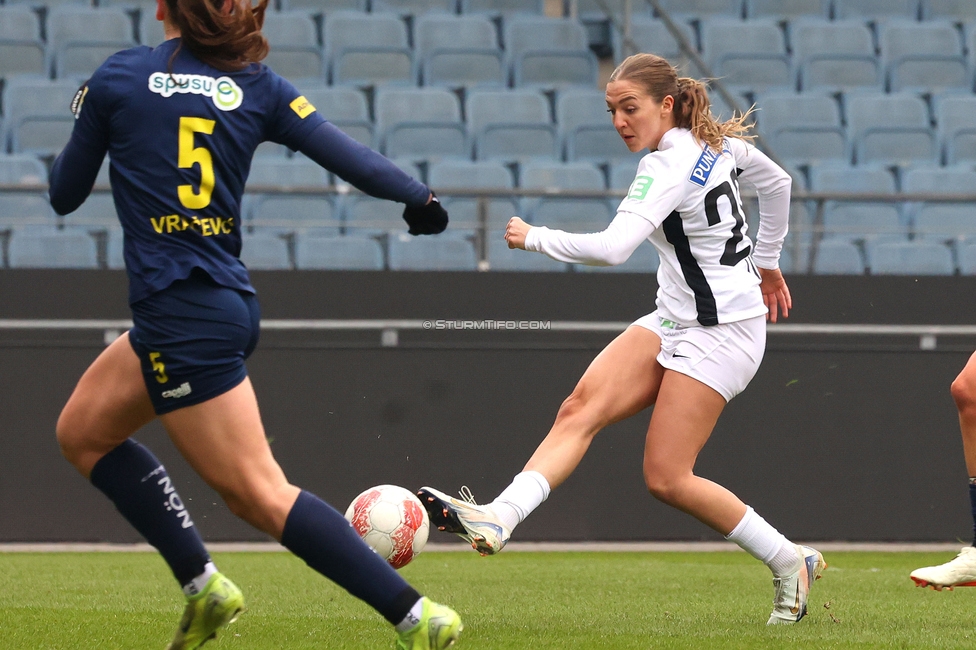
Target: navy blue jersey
(181,145)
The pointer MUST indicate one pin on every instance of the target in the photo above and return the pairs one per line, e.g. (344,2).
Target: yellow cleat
(219,604)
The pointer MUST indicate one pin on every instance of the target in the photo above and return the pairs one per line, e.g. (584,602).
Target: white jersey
(685,201)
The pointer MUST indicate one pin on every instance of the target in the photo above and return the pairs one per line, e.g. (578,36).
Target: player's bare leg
(960,571)
(621,381)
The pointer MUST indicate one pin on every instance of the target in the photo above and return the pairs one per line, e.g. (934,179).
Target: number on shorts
(159,367)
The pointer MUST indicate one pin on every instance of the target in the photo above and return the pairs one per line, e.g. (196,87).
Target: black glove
(429,219)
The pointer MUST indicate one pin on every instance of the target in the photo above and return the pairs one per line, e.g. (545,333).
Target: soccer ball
(391,520)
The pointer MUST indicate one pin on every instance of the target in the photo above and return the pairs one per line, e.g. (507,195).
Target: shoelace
(466,494)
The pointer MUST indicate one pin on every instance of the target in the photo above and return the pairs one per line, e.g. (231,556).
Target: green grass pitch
(516,600)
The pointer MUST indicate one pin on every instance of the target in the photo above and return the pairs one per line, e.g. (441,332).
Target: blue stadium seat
(621,174)
(97,213)
(285,213)
(21,47)
(955,10)
(326,6)
(574,215)
(17,169)
(890,128)
(81,38)
(408,253)
(587,128)
(511,125)
(345,107)
(941,222)
(787,9)
(150,30)
(37,117)
(463,212)
(367,49)
(24,209)
(966,253)
(506,8)
(420,123)
(413,7)
(803,128)
(459,51)
(285,173)
(682,9)
(910,258)
(923,56)
(368,216)
(114,249)
(265,252)
(651,35)
(503,258)
(834,56)
(795,258)
(858,221)
(49,248)
(349,253)
(955,118)
(549,52)
(644,259)
(747,54)
(295,51)
(49,4)
(876,9)
(838,258)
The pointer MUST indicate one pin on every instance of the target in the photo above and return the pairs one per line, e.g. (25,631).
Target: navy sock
(972,503)
(317,533)
(137,483)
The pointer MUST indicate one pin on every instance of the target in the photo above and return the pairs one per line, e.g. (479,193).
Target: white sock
(526,492)
(763,542)
(195,586)
(412,618)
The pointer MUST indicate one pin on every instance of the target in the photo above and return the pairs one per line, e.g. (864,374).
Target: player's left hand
(775,293)
(428,219)
(515,233)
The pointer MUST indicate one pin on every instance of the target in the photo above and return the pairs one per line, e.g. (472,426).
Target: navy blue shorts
(192,339)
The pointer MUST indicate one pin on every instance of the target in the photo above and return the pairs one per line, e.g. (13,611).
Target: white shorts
(723,357)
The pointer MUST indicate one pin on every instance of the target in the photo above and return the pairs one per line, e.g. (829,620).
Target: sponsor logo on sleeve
(78,100)
(223,91)
(640,186)
(302,107)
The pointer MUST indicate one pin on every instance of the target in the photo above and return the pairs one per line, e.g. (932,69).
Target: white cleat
(957,572)
(790,599)
(476,524)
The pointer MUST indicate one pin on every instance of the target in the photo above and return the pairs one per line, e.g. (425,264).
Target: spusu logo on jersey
(226,94)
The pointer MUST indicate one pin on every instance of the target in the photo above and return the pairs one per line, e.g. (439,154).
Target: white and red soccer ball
(391,520)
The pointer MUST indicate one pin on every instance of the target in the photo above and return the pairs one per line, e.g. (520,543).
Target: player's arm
(76,167)
(610,247)
(773,186)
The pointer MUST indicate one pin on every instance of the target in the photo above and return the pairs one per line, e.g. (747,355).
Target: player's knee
(576,410)
(665,486)
(69,432)
(264,507)
(963,392)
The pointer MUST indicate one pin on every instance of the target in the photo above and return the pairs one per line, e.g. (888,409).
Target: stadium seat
(747,54)
(442,176)
(938,221)
(923,56)
(910,258)
(787,9)
(285,213)
(621,174)
(369,216)
(458,51)
(880,10)
(955,118)
(838,258)
(345,107)
(570,214)
(413,7)
(834,56)
(367,49)
(50,248)
(295,52)
(49,4)
(503,258)
(795,258)
(37,117)
(858,221)
(285,173)
(803,128)
(316,252)
(115,249)
(326,6)
(682,9)
(265,252)
(549,52)
(21,169)
(644,259)
(586,127)
(408,253)
(150,30)
(97,213)
(420,123)
(966,254)
(511,125)
(890,128)
(506,8)
(21,47)
(81,38)
(651,35)
(955,10)
(24,209)
(600,17)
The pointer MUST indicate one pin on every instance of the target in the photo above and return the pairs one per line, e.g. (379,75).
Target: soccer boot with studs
(219,604)
(477,524)
(439,627)
(957,572)
(791,592)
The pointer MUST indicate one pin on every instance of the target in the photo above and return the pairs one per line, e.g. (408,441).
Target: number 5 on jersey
(189,155)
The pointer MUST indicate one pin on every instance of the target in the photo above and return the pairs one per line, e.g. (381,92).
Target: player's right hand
(428,219)
(515,233)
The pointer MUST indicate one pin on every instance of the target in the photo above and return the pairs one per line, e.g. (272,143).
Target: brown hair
(692,108)
(225,34)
